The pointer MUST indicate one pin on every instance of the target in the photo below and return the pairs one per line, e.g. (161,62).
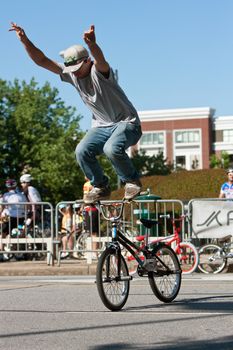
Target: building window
(189,136)
(228,135)
(180,162)
(218,136)
(155,138)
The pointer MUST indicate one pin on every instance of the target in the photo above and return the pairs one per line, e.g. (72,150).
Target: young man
(115,122)
(30,192)
(227,188)
(32,196)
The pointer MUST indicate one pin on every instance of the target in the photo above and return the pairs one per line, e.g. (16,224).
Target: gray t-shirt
(104,97)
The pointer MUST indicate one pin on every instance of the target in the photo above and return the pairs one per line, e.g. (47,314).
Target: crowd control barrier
(85,239)
(85,234)
(29,233)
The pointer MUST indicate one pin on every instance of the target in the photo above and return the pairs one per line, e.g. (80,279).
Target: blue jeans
(112,141)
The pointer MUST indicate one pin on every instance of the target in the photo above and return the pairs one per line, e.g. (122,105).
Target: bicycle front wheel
(112,279)
(211,259)
(165,280)
(188,257)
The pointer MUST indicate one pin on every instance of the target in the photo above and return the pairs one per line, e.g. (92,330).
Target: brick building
(187,137)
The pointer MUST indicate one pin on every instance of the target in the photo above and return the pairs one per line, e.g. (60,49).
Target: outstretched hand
(89,35)
(19,31)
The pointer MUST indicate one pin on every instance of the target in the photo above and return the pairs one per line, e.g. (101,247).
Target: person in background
(1,199)
(77,220)
(115,122)
(13,212)
(91,217)
(226,190)
(67,238)
(77,223)
(33,196)
(87,186)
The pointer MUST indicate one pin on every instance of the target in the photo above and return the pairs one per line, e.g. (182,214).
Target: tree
(221,161)
(39,134)
(151,165)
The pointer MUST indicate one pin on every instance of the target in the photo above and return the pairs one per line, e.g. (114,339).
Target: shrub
(183,185)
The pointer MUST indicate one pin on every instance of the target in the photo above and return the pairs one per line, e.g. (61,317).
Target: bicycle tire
(165,281)
(188,257)
(80,245)
(113,293)
(211,259)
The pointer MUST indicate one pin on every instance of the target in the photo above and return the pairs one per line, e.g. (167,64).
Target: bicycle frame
(226,249)
(161,265)
(118,238)
(175,237)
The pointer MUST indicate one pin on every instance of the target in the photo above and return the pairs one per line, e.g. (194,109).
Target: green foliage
(225,160)
(39,134)
(220,162)
(183,185)
(151,165)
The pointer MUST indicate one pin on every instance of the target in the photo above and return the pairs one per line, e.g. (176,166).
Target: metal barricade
(87,242)
(80,235)
(29,234)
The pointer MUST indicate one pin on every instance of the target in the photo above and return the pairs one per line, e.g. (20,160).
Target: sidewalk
(40,268)
(67,268)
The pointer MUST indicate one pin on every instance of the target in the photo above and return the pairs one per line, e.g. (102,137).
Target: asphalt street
(58,312)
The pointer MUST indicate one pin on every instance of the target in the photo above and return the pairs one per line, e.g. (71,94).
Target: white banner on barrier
(212,219)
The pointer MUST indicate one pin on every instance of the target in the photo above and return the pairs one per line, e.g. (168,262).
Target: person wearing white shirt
(32,195)
(13,213)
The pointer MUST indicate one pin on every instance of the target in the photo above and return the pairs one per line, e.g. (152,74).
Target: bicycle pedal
(125,278)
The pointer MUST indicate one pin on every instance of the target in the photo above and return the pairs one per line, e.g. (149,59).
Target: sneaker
(132,189)
(96,194)
(5,257)
(64,255)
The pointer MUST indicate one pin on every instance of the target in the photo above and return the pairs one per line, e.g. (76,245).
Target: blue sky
(168,53)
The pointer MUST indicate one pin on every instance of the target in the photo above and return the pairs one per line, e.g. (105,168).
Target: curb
(67,268)
(37,268)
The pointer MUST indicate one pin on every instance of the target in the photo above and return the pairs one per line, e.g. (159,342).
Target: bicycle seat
(148,223)
(140,238)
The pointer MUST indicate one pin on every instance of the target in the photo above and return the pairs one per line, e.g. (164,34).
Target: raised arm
(99,60)
(36,54)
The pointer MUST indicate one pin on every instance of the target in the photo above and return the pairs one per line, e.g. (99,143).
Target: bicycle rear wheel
(81,245)
(188,257)
(211,259)
(165,281)
(113,286)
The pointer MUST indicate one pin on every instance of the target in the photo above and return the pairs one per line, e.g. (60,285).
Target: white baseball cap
(26,178)
(74,57)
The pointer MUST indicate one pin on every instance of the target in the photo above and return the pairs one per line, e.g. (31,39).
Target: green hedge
(183,185)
